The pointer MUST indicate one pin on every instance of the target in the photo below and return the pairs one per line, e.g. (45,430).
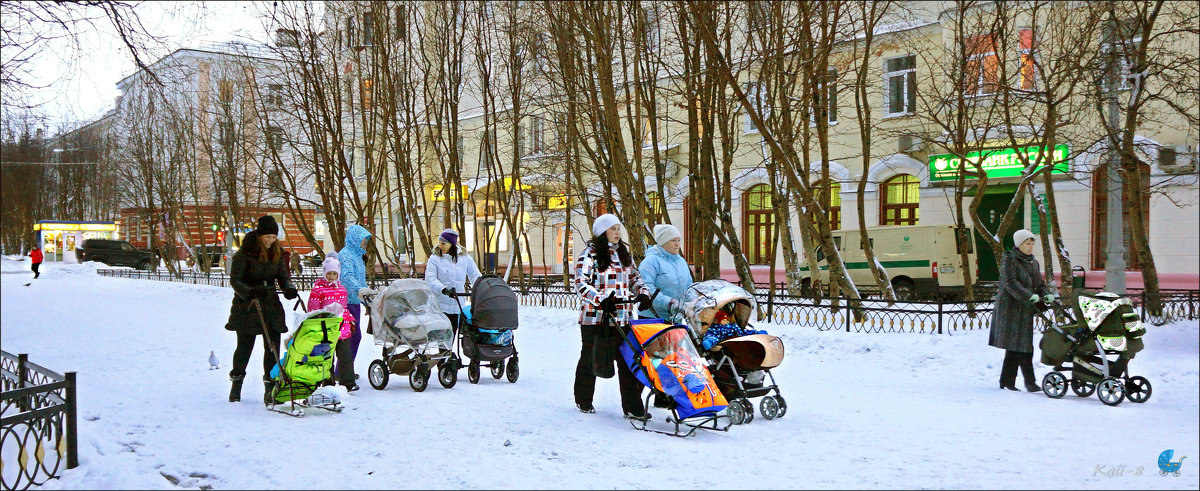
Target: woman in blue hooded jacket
(354,277)
(665,270)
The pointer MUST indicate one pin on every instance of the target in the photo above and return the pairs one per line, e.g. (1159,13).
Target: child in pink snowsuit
(328,291)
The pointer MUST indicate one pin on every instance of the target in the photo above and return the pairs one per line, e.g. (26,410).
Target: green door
(991,209)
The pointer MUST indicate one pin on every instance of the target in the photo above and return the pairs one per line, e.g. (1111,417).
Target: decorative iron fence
(823,313)
(37,422)
(301,282)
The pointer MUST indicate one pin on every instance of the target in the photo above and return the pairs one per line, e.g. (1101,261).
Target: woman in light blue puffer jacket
(665,270)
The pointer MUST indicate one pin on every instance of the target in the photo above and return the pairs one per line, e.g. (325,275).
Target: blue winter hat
(450,236)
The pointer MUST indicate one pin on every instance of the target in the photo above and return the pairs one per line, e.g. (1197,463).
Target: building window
(365,95)
(1128,35)
(756,92)
(350,32)
(275,138)
(983,66)
(759,222)
(225,91)
(833,206)
(369,29)
(600,207)
(275,95)
(1100,218)
(655,207)
(826,98)
(900,200)
(692,247)
(900,85)
(225,133)
(537,131)
(1026,52)
(401,23)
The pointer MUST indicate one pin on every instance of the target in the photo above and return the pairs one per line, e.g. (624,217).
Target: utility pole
(1114,264)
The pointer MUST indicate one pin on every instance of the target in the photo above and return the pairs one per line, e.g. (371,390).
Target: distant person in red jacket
(36,257)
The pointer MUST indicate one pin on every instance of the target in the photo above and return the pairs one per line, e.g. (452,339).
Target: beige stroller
(741,365)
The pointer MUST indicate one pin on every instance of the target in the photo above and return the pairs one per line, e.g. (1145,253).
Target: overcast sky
(82,83)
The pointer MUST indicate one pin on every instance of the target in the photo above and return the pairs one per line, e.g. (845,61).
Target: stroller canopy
(493,304)
(406,311)
(703,300)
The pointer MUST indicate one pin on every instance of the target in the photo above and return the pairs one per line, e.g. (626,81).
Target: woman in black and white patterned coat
(1021,287)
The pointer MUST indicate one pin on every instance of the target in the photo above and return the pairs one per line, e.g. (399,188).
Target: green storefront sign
(1000,162)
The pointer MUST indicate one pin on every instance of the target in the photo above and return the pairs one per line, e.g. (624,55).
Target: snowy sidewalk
(864,410)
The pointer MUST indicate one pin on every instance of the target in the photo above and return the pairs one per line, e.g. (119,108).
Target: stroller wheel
(498,369)
(782,406)
(1054,385)
(1082,388)
(419,379)
(447,375)
(748,409)
(512,372)
(737,414)
(1110,391)
(1137,389)
(768,407)
(377,374)
(473,372)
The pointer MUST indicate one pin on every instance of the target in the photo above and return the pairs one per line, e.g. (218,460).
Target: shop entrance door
(991,209)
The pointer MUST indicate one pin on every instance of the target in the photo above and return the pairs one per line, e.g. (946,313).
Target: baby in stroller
(739,357)
(1101,325)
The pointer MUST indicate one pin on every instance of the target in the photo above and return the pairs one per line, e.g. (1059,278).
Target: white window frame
(1126,65)
(1032,53)
(831,75)
(756,93)
(905,87)
(981,83)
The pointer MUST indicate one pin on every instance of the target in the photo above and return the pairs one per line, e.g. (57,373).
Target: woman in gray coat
(1021,287)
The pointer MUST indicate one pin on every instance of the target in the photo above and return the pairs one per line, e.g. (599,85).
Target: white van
(922,261)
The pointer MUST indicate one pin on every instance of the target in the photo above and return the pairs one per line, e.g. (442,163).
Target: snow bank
(865,410)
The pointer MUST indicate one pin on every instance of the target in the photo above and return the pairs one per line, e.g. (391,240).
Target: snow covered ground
(865,410)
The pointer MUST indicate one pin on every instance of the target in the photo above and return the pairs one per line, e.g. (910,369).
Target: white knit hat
(604,222)
(331,263)
(1020,236)
(663,233)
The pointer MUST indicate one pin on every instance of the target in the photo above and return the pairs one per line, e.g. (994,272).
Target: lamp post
(1114,263)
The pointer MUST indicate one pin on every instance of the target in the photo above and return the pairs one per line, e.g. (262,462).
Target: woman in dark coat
(253,274)
(1021,287)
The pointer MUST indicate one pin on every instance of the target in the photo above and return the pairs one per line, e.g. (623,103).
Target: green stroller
(1093,343)
(303,374)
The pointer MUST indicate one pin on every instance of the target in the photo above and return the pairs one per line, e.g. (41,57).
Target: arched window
(833,206)
(900,200)
(1100,218)
(758,208)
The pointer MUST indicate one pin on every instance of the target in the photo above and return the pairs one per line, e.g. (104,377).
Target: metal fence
(301,282)
(37,422)
(876,315)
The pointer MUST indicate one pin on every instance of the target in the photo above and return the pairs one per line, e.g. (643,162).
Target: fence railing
(876,315)
(38,417)
(301,282)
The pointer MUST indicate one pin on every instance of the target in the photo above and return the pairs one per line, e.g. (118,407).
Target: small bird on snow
(213,363)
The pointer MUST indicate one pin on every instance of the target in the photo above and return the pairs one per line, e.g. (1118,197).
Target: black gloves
(609,304)
(290,293)
(448,291)
(643,301)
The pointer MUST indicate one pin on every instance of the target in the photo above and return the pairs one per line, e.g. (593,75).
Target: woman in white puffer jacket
(448,272)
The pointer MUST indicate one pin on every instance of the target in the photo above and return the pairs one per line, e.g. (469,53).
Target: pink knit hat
(331,264)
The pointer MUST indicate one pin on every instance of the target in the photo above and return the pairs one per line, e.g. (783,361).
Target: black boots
(269,392)
(1032,387)
(1009,387)
(235,392)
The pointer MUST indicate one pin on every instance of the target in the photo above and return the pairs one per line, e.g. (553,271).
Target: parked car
(214,253)
(113,253)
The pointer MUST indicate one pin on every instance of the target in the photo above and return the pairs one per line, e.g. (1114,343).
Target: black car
(214,253)
(113,253)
